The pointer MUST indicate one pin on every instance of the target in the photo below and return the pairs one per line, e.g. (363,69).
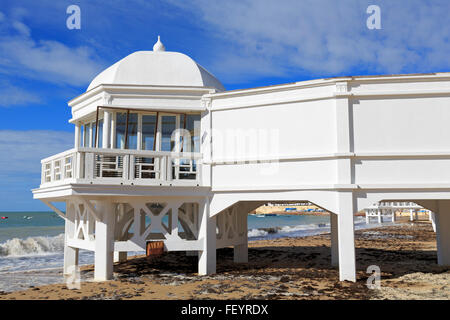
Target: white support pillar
(443,232)
(393,215)
(411,214)
(335,238)
(106,130)
(367,211)
(77,135)
(433,220)
(120,256)
(207,232)
(346,237)
(380,220)
(70,254)
(104,241)
(241,250)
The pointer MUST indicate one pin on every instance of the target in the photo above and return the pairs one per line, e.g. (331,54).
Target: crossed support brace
(103,215)
(104,218)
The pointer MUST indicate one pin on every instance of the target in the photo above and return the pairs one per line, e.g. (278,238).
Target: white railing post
(89,165)
(161,167)
(169,168)
(198,172)
(80,165)
(126,167)
(131,163)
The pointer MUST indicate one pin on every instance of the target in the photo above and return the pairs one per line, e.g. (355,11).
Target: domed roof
(157,67)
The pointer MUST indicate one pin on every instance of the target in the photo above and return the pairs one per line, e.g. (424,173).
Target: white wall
(397,127)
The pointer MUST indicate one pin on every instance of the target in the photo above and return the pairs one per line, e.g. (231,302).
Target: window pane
(121,122)
(148,132)
(132,131)
(193,126)
(100,134)
(93,135)
(168,125)
(82,136)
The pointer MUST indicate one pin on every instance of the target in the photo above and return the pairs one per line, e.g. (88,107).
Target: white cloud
(22,151)
(266,37)
(45,60)
(11,96)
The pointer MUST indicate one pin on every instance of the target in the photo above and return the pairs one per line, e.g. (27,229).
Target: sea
(32,243)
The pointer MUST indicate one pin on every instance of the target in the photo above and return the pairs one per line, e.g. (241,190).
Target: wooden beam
(57,211)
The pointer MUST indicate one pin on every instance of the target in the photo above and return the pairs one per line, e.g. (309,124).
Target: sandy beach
(287,268)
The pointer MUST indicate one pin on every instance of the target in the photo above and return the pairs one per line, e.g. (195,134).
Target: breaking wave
(32,246)
(298,230)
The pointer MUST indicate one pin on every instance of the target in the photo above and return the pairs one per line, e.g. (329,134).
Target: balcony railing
(116,166)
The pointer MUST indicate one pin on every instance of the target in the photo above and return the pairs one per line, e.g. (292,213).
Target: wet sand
(287,268)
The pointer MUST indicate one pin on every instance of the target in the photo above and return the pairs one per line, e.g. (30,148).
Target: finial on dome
(159,45)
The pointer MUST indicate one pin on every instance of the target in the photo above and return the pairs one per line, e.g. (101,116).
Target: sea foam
(32,246)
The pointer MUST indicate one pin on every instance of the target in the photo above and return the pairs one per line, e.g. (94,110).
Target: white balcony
(121,167)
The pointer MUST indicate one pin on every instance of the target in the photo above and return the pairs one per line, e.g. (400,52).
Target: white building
(341,143)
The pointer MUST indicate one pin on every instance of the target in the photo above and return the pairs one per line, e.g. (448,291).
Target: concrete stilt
(347,262)
(241,250)
(334,239)
(379,216)
(104,241)
(207,232)
(433,220)
(70,254)
(443,232)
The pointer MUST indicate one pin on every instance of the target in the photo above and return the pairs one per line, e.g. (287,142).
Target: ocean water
(32,243)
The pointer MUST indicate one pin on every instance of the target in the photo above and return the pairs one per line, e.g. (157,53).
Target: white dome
(160,68)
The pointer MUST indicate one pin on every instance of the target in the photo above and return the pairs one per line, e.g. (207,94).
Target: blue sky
(244,43)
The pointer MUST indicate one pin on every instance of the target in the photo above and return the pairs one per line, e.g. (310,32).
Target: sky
(44,64)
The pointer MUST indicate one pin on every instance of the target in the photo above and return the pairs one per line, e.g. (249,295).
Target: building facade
(163,152)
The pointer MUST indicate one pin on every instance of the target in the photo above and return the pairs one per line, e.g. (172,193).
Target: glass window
(148,132)
(193,126)
(100,134)
(168,126)
(82,136)
(132,131)
(93,135)
(121,123)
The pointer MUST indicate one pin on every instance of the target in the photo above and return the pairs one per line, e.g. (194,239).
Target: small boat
(270,214)
(4,218)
